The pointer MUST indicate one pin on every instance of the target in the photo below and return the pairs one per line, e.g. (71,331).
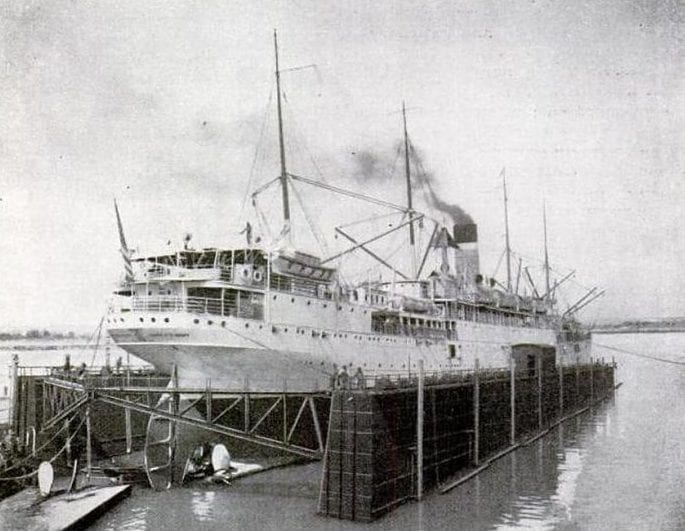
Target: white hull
(239,354)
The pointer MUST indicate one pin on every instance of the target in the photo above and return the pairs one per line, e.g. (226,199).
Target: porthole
(325,305)
(292,299)
(275,296)
(153,320)
(166,319)
(196,321)
(141,319)
(285,330)
(309,303)
(247,325)
(121,319)
(210,323)
(223,323)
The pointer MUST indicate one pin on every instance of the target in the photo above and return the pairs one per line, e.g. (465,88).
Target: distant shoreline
(638,330)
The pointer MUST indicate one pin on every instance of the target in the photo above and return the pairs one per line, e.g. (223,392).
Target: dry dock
(387,441)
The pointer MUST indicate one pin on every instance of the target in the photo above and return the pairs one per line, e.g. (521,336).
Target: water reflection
(202,503)
(544,477)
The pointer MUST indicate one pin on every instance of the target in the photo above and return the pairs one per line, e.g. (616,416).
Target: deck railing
(198,305)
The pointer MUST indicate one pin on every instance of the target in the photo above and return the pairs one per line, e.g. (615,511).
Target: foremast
(281,145)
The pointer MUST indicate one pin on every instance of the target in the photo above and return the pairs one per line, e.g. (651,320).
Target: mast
(407,171)
(506,229)
(281,142)
(544,223)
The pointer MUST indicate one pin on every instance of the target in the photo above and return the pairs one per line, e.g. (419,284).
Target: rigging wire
(97,342)
(372,218)
(646,356)
(499,263)
(320,240)
(256,154)
(300,139)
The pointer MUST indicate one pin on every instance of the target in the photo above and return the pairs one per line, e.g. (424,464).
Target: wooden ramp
(75,510)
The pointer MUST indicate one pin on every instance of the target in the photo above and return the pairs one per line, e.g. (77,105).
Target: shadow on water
(619,466)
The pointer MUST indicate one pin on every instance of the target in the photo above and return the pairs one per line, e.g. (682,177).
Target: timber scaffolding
(143,410)
(388,445)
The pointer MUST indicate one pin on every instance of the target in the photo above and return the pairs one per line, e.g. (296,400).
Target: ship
(267,316)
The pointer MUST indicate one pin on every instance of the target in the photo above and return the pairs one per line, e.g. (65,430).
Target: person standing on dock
(343,378)
(358,381)
(333,379)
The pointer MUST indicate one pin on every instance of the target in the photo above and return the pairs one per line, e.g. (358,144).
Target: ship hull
(241,354)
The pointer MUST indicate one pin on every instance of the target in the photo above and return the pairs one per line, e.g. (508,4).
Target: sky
(168,106)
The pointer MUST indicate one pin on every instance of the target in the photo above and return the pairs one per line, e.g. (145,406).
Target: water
(621,466)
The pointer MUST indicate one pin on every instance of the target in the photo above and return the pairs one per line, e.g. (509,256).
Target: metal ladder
(160,440)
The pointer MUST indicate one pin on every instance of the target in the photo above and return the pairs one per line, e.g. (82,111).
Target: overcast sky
(162,105)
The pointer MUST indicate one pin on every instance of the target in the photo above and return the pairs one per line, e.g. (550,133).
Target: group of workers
(341,379)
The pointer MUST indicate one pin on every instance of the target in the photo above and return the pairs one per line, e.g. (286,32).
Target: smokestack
(466,257)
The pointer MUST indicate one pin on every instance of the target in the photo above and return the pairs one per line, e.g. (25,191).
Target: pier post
(14,393)
(561,389)
(208,399)
(476,413)
(577,382)
(246,401)
(129,435)
(285,410)
(419,435)
(539,371)
(89,454)
(512,399)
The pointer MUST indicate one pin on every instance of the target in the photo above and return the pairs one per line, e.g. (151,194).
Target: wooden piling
(476,413)
(129,434)
(512,399)
(539,371)
(419,435)
(89,450)
(561,388)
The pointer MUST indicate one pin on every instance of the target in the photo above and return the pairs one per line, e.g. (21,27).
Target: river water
(619,466)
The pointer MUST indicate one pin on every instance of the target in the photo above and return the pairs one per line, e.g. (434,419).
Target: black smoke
(376,167)
(424,179)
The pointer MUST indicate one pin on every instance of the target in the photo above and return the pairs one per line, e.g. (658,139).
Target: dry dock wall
(371,462)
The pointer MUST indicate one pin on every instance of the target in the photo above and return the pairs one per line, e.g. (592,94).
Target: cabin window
(452,351)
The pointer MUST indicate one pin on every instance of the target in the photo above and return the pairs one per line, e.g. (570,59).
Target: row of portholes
(223,323)
(324,305)
(152,319)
